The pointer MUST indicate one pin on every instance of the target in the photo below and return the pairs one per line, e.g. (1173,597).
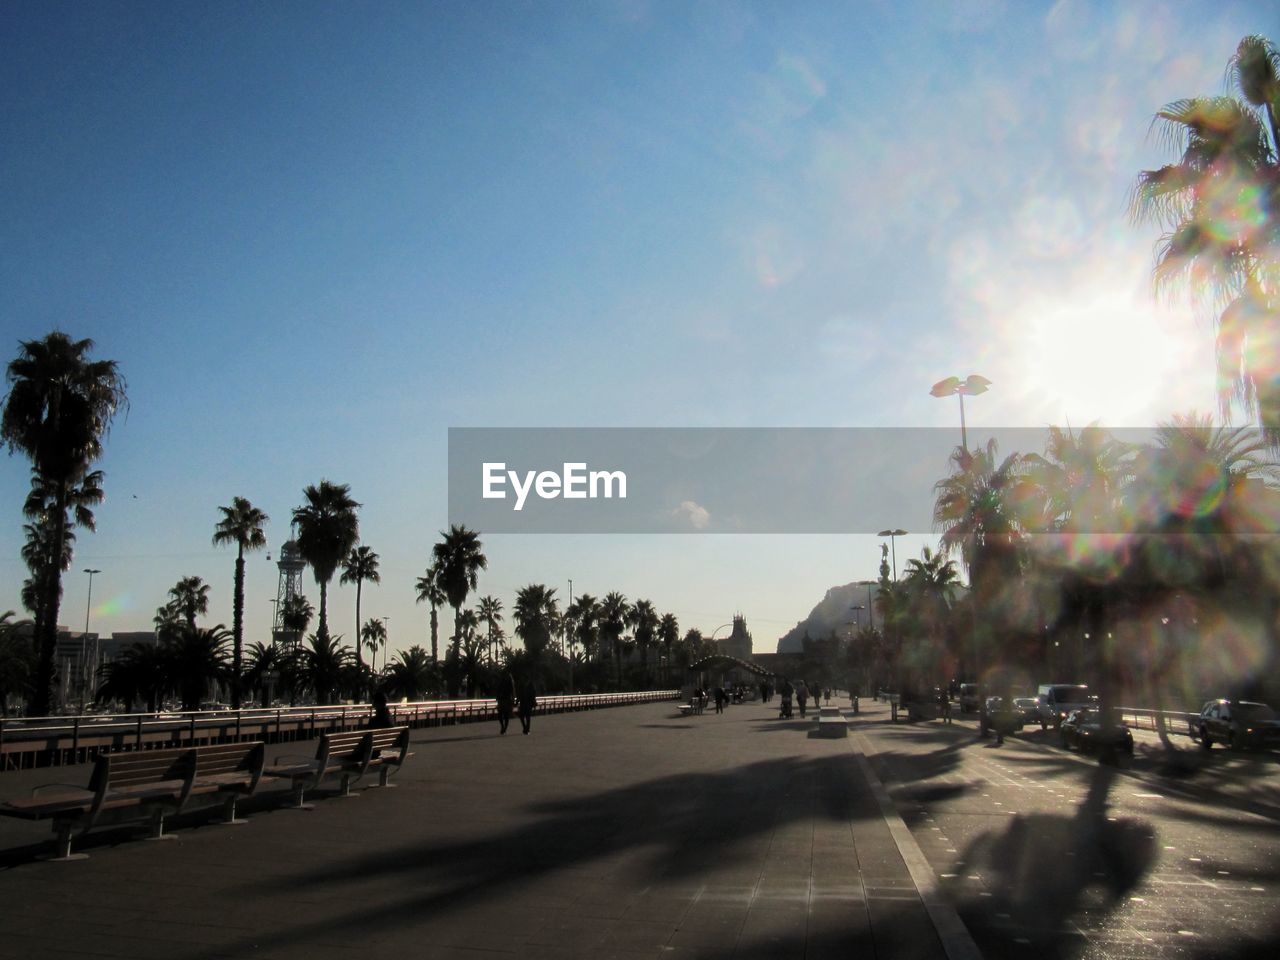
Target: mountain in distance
(834,613)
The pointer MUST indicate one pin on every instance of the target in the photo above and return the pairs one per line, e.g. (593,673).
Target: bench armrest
(71,787)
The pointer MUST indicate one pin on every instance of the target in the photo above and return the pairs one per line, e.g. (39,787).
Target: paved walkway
(629,832)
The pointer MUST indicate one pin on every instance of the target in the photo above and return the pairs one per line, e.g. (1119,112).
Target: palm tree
(188,599)
(430,591)
(981,508)
(140,674)
(929,584)
(241,524)
(324,664)
(1219,205)
(489,609)
(411,674)
(327,530)
(459,559)
(668,634)
(59,409)
(295,616)
(584,615)
(196,656)
(17,661)
(262,660)
(614,610)
(644,619)
(374,635)
(361,565)
(536,616)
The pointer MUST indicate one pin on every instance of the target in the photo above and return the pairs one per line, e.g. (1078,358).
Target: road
(1047,853)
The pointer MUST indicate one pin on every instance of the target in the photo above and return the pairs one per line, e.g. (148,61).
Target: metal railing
(40,741)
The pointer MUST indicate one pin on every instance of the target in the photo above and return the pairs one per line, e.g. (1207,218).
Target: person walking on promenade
(802,697)
(720,698)
(528,700)
(381,719)
(945,702)
(506,697)
(785,690)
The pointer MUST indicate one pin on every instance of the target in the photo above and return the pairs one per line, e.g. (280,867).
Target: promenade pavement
(628,832)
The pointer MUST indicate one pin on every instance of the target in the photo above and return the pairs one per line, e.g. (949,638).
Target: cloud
(696,515)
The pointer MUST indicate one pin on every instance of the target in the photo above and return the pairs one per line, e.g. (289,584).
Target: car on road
(1029,707)
(1082,730)
(1056,700)
(1239,724)
(1008,719)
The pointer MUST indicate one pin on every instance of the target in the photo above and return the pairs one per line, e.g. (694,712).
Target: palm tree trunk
(52,599)
(322,630)
(435,631)
(359,642)
(237,630)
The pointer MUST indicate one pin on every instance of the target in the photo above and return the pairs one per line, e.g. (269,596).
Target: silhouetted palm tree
(262,660)
(17,661)
(360,565)
(324,664)
(584,615)
(430,591)
(644,619)
(536,617)
(197,656)
(374,636)
(668,635)
(141,674)
(327,530)
(411,674)
(489,610)
(59,409)
(1219,205)
(295,616)
(241,524)
(459,558)
(188,599)
(614,610)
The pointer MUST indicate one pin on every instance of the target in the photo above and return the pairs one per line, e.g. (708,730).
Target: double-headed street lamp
(893,543)
(970,386)
(88,605)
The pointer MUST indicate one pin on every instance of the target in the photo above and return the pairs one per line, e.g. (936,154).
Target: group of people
(511,702)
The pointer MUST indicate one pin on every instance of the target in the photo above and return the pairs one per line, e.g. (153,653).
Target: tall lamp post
(568,636)
(971,386)
(893,543)
(84,669)
(386,640)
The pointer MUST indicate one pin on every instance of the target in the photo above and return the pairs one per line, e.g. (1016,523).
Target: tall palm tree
(140,675)
(262,660)
(668,635)
(489,609)
(188,599)
(324,664)
(584,614)
(38,551)
(460,558)
(430,591)
(360,565)
(1219,205)
(374,636)
(644,620)
(536,616)
(327,530)
(241,524)
(930,584)
(614,610)
(59,409)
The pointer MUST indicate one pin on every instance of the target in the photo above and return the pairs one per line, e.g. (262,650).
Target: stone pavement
(628,832)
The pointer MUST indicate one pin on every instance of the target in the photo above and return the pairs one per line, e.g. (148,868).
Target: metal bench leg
(346,793)
(299,788)
(62,845)
(157,826)
(229,813)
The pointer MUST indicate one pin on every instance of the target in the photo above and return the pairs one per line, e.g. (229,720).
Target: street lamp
(893,542)
(88,605)
(971,386)
(568,635)
(857,609)
(386,640)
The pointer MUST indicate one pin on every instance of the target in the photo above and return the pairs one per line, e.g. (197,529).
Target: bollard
(855,704)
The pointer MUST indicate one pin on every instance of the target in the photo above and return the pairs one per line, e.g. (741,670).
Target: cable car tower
(290,566)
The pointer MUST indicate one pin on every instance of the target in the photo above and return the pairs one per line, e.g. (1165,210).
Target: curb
(954,935)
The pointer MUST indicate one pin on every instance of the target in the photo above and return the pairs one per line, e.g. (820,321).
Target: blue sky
(316,236)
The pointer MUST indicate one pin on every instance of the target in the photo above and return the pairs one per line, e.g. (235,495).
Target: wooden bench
(141,785)
(346,755)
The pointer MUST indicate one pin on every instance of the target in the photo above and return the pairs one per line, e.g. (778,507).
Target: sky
(315,236)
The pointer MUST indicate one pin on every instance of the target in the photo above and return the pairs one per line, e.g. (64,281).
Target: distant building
(738,644)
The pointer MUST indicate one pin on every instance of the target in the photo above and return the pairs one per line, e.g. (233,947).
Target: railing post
(75,740)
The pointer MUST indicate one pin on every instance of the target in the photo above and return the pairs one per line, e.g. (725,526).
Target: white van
(1056,700)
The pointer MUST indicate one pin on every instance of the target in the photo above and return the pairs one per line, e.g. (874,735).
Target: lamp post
(568,635)
(893,543)
(386,640)
(857,609)
(84,667)
(970,386)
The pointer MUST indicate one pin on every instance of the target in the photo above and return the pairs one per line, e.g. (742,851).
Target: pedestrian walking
(802,697)
(506,697)
(785,690)
(381,719)
(720,699)
(528,700)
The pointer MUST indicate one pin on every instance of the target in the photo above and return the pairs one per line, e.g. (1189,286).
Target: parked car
(1082,729)
(1056,700)
(968,697)
(1239,724)
(1009,719)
